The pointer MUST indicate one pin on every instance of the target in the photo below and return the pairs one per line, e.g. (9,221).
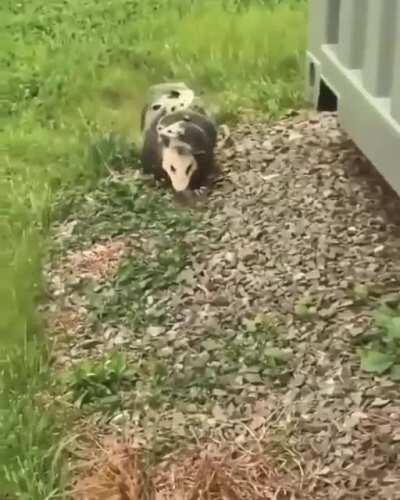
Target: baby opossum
(180,149)
(167,98)
(165,104)
(182,125)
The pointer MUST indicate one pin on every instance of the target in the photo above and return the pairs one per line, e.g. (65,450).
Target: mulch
(300,229)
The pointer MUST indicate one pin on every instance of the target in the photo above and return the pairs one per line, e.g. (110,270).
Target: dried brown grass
(67,320)
(113,472)
(213,471)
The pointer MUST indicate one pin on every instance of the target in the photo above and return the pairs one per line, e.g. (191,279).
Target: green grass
(72,76)
(32,437)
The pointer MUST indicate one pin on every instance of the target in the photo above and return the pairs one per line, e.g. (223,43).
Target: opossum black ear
(198,152)
(165,140)
(143,117)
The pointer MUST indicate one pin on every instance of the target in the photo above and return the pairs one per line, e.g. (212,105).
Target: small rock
(267,146)
(231,257)
(379,249)
(166,352)
(294,136)
(121,418)
(380,402)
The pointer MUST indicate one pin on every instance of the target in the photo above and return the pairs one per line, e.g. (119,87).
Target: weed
(383,353)
(256,349)
(98,383)
(305,310)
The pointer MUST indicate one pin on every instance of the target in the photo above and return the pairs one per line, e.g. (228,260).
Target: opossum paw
(200,191)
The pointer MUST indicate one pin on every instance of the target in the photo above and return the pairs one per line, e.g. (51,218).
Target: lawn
(73,77)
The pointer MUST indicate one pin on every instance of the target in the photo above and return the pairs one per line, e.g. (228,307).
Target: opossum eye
(156,107)
(188,168)
(173,169)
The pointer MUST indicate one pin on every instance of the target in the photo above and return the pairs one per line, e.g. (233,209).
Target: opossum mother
(180,148)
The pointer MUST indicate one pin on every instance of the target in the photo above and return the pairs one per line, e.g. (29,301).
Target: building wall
(354,58)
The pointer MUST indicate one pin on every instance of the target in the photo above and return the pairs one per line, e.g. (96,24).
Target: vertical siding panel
(395,104)
(332,20)
(352,33)
(380,47)
(318,21)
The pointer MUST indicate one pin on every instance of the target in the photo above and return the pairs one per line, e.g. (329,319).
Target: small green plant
(257,345)
(383,353)
(305,309)
(98,383)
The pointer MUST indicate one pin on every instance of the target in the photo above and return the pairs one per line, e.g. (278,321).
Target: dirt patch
(98,262)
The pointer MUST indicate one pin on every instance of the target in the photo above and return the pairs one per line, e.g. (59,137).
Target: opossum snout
(185,197)
(185,193)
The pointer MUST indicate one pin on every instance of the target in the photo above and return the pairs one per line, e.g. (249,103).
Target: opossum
(180,148)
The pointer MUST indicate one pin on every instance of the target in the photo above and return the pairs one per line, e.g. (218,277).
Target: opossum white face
(180,165)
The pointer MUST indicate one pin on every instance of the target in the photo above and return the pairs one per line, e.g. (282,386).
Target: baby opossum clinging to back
(179,147)
(166,98)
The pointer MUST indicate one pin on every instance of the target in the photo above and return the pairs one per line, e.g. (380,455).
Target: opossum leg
(202,191)
(224,137)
